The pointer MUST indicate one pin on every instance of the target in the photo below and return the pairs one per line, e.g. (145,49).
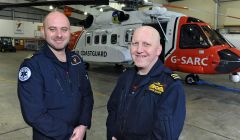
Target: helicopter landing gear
(192,79)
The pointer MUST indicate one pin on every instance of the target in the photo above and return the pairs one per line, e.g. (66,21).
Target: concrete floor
(213,113)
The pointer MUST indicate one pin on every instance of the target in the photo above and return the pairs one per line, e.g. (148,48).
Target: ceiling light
(50,7)
(123,5)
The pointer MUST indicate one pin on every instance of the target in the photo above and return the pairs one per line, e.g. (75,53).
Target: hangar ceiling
(20,10)
(60,3)
(55,3)
(77,5)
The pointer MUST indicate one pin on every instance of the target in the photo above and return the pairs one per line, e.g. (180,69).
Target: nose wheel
(192,79)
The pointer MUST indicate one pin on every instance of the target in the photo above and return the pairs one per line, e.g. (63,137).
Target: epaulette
(28,57)
(175,76)
(31,55)
(172,74)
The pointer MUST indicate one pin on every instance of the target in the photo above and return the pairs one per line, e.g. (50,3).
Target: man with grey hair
(148,102)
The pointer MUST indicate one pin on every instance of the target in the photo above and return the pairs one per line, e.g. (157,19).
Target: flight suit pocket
(143,121)
(54,96)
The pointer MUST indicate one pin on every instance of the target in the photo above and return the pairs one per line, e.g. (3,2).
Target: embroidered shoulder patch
(175,76)
(156,87)
(75,60)
(24,74)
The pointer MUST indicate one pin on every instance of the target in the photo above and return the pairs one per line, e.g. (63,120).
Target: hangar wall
(206,9)
(23,29)
(230,9)
(202,9)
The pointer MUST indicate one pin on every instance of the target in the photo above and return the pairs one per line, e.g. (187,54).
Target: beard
(57,49)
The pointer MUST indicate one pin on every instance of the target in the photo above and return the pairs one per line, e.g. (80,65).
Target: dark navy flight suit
(154,109)
(55,97)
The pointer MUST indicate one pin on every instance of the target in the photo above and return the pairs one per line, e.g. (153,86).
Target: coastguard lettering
(190,60)
(94,53)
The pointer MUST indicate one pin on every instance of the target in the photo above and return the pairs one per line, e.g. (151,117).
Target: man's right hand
(113,138)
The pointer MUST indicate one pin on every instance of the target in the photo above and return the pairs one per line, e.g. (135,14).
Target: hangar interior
(212,105)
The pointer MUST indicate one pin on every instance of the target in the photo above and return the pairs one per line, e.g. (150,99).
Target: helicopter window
(214,37)
(88,39)
(128,35)
(192,37)
(104,39)
(96,39)
(192,19)
(114,38)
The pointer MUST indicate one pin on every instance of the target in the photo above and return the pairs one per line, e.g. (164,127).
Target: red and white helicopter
(189,44)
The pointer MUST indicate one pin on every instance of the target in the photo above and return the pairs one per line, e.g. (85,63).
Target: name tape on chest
(24,74)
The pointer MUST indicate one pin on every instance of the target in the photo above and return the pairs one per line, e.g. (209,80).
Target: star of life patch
(24,74)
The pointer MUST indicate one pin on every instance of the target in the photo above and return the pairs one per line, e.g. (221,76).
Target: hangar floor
(213,112)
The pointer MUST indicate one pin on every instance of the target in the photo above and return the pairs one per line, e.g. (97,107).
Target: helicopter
(189,44)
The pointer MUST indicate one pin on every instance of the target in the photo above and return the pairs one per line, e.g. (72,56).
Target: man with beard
(53,86)
(148,102)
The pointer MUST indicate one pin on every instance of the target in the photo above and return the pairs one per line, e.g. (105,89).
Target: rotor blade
(174,6)
(233,17)
(195,10)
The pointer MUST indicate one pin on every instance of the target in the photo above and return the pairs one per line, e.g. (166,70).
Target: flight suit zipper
(59,84)
(68,78)
(69,81)
(122,108)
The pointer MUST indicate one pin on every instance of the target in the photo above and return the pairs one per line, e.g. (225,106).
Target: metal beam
(56,2)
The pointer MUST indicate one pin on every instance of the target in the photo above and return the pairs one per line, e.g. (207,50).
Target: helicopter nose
(229,61)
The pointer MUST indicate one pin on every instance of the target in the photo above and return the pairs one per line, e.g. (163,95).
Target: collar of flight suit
(48,52)
(157,69)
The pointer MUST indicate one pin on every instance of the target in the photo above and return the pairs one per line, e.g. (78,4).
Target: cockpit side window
(191,36)
(113,38)
(214,37)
